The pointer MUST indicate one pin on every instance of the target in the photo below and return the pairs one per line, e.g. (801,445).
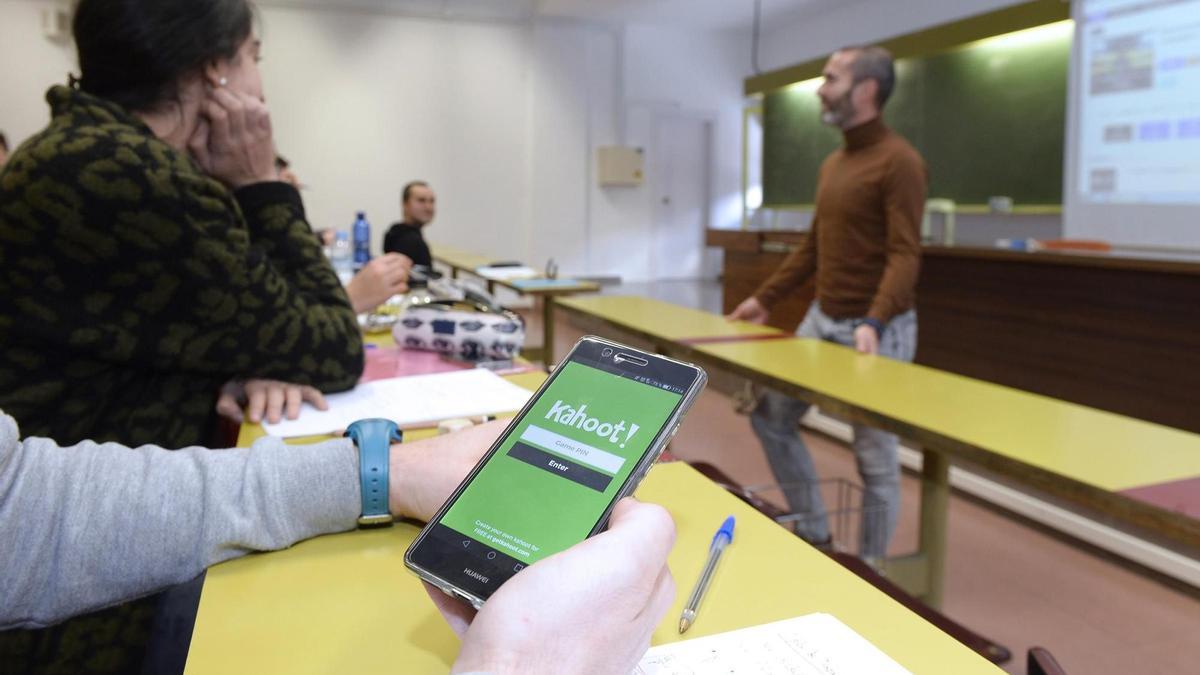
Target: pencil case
(462,329)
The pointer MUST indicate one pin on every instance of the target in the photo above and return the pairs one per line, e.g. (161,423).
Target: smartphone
(585,440)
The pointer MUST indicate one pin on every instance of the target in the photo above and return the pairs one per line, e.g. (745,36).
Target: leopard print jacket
(132,285)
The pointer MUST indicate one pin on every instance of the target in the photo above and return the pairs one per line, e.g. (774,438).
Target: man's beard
(840,111)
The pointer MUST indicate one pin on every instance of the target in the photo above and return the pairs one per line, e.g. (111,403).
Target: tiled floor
(1016,585)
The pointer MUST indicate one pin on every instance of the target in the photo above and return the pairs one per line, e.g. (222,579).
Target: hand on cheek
(236,145)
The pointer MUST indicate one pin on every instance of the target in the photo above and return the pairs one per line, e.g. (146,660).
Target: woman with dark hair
(148,256)
(148,251)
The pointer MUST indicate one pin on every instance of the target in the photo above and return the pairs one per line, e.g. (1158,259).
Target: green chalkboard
(989,119)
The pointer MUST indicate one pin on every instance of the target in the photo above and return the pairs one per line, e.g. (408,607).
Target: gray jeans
(777,417)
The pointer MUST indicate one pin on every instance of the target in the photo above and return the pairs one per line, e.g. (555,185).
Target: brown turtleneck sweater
(865,242)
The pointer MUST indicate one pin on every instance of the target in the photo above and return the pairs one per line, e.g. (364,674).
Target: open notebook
(410,401)
(816,644)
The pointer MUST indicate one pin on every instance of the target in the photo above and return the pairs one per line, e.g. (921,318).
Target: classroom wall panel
(363,103)
(559,127)
(502,117)
(695,82)
(29,64)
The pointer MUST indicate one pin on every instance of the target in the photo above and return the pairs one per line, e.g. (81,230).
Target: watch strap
(374,438)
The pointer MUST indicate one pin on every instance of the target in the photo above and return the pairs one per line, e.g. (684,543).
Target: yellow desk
(660,322)
(345,603)
(1082,455)
(459,261)
(985,423)
(664,328)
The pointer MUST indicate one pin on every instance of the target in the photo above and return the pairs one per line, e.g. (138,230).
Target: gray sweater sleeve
(94,525)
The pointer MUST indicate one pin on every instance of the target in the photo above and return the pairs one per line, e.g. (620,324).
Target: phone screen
(556,471)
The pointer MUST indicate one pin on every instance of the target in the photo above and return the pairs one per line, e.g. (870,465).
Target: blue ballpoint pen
(723,538)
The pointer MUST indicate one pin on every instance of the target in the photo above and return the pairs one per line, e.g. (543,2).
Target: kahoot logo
(577,417)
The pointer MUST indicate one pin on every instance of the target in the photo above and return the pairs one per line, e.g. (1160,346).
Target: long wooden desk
(659,321)
(328,604)
(345,603)
(460,262)
(1086,457)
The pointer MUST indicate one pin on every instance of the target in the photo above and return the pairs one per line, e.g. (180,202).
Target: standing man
(419,205)
(864,249)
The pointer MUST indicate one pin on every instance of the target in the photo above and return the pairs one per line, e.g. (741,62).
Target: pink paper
(386,362)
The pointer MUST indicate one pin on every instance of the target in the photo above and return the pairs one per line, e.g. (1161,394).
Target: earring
(222,82)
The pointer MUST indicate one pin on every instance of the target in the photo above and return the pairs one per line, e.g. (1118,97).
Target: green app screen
(562,464)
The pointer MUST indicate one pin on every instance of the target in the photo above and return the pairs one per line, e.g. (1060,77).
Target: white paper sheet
(816,644)
(409,401)
(507,273)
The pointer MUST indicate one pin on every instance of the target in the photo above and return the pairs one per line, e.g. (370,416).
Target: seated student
(150,253)
(148,256)
(378,280)
(418,205)
(62,510)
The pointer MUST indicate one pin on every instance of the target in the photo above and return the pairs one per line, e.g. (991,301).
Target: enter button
(560,467)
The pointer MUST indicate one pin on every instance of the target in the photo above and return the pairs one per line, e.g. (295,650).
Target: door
(682,193)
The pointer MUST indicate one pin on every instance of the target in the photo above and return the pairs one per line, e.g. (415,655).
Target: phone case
(669,428)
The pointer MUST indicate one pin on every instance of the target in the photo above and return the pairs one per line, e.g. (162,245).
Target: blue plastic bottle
(362,241)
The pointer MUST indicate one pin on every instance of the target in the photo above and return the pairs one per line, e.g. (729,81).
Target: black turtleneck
(406,238)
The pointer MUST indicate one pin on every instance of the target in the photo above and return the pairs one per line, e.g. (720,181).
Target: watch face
(370,521)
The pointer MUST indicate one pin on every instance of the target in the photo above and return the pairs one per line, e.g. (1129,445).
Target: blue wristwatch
(374,438)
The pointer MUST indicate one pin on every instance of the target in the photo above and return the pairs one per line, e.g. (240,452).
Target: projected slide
(1139,92)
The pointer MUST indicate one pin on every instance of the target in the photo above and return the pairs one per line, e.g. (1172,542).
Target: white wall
(703,77)
(363,103)
(501,118)
(861,21)
(29,64)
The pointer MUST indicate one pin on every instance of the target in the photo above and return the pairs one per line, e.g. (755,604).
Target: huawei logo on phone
(475,575)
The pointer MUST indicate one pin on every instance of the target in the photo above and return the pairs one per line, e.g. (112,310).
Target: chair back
(1042,662)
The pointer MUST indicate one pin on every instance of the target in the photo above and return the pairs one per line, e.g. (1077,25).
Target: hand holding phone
(589,609)
(551,480)
(233,141)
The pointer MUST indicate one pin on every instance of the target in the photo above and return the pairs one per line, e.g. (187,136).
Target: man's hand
(866,340)
(589,609)
(379,280)
(270,397)
(750,310)
(423,474)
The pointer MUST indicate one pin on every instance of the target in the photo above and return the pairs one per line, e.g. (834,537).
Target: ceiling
(696,14)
